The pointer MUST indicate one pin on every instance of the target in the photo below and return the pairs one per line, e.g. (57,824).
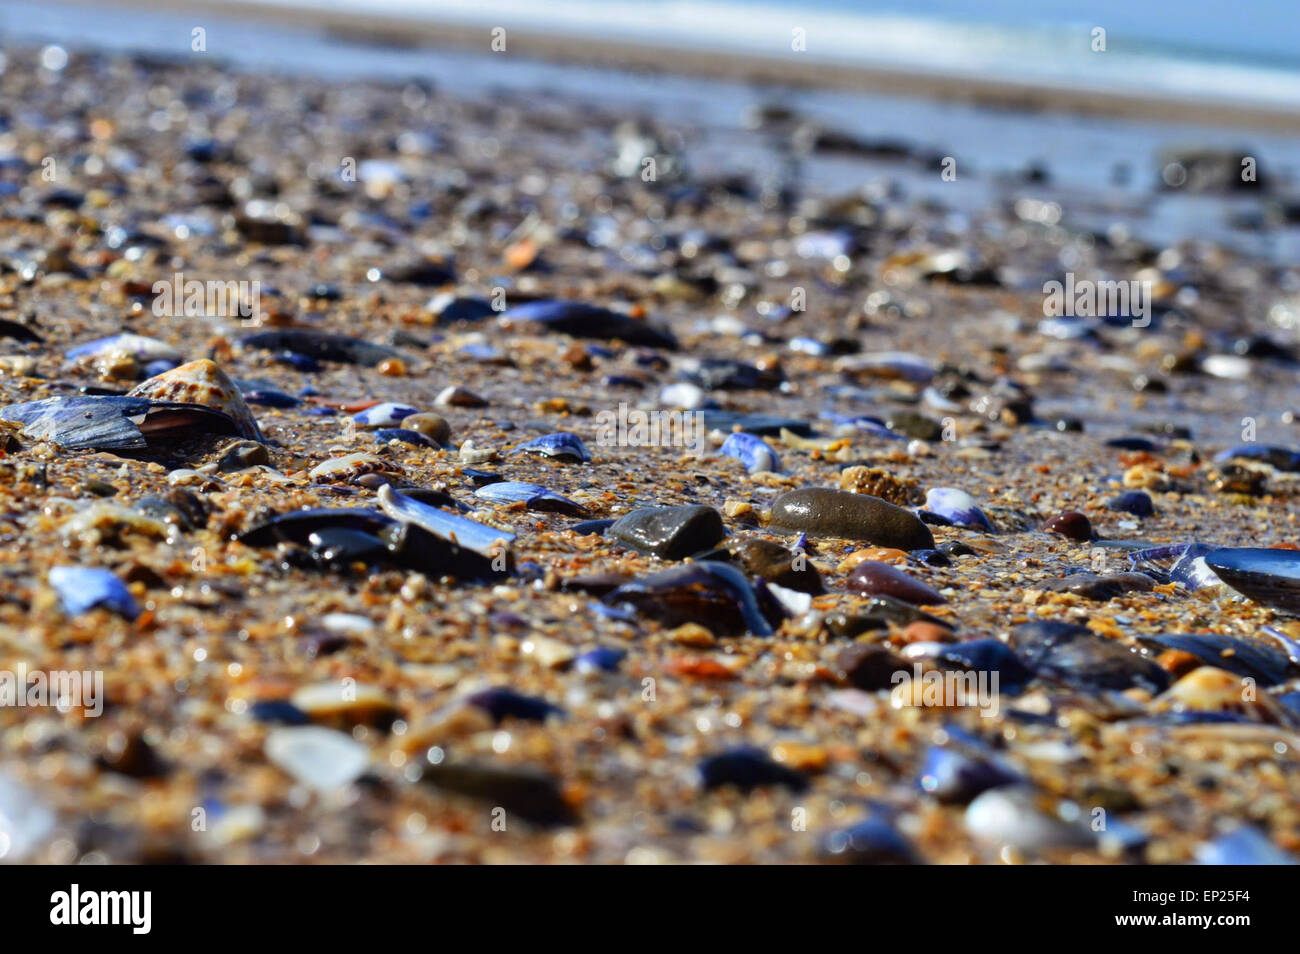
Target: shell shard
(751,451)
(114,422)
(710,591)
(588,321)
(83,588)
(562,445)
(140,347)
(1181,563)
(534,496)
(387,414)
(324,347)
(1267,576)
(203,383)
(956,506)
(470,534)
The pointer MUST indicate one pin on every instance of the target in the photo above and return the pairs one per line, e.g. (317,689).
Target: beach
(516,459)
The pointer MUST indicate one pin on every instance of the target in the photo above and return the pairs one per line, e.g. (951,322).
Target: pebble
(322,759)
(1018,817)
(1093,586)
(873,841)
(528,793)
(670,533)
(1072,525)
(84,588)
(26,822)
(747,768)
(836,513)
(1136,502)
(871,578)
(501,703)
(956,778)
(430,425)
(454,396)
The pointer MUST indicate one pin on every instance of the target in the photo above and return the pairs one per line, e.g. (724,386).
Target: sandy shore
(797,71)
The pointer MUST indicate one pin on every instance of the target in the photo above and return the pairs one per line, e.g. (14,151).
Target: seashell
(600,659)
(387,414)
(1078,657)
(1181,563)
(350,466)
(324,347)
(1281,458)
(1208,689)
(297,526)
(588,321)
(562,445)
(957,775)
(339,700)
(501,703)
(481,539)
(83,588)
(873,841)
(764,425)
(139,347)
(448,307)
(535,497)
(277,711)
(889,364)
(113,422)
(976,655)
(957,507)
(724,374)
(203,383)
(406,436)
(1245,845)
(861,422)
(1019,817)
(322,759)
(269,397)
(1270,577)
(751,451)
(772,562)
(26,821)
(1136,502)
(714,594)
(1267,664)
(106,522)
(747,768)
(454,396)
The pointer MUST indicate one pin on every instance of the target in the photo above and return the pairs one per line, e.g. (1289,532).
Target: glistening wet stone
(835,513)
(670,533)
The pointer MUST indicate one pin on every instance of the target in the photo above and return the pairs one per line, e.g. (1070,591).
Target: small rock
(319,758)
(836,513)
(1072,525)
(670,533)
(871,578)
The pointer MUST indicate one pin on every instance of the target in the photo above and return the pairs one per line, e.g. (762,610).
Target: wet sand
(235,642)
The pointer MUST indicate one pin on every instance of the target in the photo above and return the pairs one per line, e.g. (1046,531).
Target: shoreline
(753,68)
